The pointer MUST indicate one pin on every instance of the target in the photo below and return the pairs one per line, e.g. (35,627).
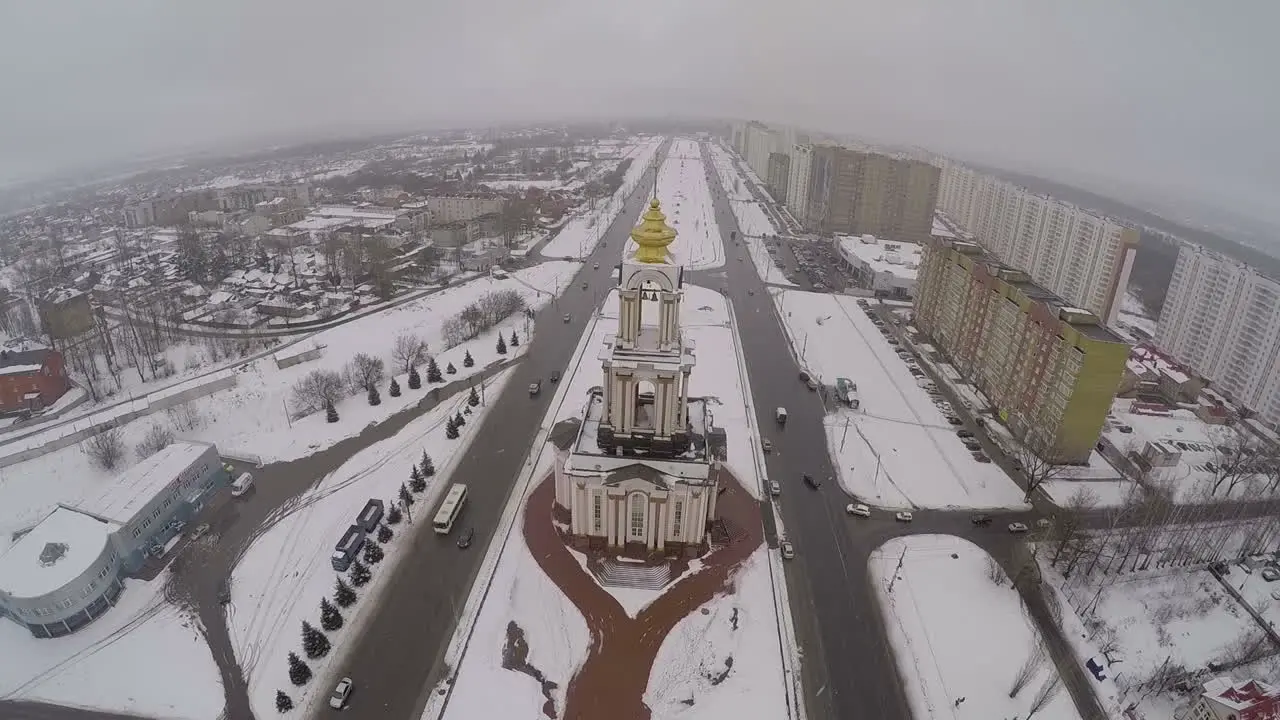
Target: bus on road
(450,508)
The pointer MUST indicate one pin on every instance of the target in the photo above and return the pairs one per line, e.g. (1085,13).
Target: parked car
(980,520)
(811,481)
(464,540)
(341,692)
(766,446)
(981,457)
(1017,527)
(964,433)
(903,516)
(788,550)
(972,445)
(199,532)
(858,509)
(775,488)
(242,484)
(954,420)
(1270,574)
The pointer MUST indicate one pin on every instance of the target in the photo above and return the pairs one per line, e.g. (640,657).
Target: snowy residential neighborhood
(575,422)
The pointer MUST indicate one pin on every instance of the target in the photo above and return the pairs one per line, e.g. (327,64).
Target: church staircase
(614,573)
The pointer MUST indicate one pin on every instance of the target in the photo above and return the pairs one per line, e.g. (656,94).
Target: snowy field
(250,418)
(956,634)
(686,201)
(897,450)
(282,577)
(1174,618)
(579,237)
(143,657)
(556,633)
(741,628)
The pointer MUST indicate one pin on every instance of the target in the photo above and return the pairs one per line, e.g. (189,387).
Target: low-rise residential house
(31,379)
(1224,699)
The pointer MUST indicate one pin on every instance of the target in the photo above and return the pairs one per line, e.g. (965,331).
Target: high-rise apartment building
(1221,318)
(1080,255)
(862,193)
(797,200)
(778,176)
(1050,369)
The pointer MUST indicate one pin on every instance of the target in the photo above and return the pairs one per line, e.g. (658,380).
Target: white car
(775,489)
(860,510)
(199,532)
(903,516)
(1017,527)
(788,551)
(341,692)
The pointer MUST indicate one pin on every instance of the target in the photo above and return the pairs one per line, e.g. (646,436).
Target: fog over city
(1153,99)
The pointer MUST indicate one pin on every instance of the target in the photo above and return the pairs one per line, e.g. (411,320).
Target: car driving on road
(341,693)
(811,481)
(1017,527)
(904,516)
(788,550)
(858,509)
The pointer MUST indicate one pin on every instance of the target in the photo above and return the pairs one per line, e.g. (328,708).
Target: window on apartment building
(155,513)
(597,513)
(137,531)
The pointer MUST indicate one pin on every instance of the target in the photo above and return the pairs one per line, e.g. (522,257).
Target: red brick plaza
(612,681)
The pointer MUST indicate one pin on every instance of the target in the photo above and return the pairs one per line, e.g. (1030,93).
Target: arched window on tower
(645,419)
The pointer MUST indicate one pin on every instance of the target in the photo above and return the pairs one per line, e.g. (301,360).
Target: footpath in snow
(286,572)
(686,201)
(897,449)
(960,636)
(581,234)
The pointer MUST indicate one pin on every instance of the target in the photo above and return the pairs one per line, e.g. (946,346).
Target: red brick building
(1224,699)
(31,379)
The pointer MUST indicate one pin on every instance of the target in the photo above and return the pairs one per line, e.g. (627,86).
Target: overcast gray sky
(1169,94)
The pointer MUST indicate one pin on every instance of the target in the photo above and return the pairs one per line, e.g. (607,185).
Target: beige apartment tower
(862,193)
(1051,370)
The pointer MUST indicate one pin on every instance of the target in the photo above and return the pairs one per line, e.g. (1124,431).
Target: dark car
(981,520)
(464,541)
(555,376)
(811,481)
(964,433)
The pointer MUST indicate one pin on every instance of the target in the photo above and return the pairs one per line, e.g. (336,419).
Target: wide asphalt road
(848,669)
(397,661)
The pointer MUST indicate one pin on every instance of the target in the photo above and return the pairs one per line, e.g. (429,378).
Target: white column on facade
(622,519)
(661,525)
(575,509)
(672,409)
(606,510)
(684,400)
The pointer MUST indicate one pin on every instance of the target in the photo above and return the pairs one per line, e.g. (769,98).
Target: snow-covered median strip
(962,641)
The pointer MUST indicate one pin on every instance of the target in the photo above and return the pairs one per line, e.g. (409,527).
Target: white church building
(638,477)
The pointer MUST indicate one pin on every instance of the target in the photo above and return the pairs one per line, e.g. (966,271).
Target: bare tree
(1234,460)
(409,350)
(158,437)
(1045,695)
(185,417)
(1029,668)
(318,388)
(365,372)
(105,449)
(995,573)
(1037,467)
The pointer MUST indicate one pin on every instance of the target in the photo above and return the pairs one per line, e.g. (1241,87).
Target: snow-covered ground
(250,418)
(897,449)
(739,628)
(555,631)
(283,576)
(1192,479)
(686,201)
(1172,618)
(579,237)
(956,634)
(753,221)
(144,657)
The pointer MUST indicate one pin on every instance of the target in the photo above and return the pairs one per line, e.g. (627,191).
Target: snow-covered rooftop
(881,256)
(54,553)
(136,487)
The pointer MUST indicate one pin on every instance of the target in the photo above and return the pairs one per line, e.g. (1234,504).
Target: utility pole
(288,419)
(845,434)
(407,512)
(897,569)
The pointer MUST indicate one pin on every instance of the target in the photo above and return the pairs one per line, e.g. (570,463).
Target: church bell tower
(648,362)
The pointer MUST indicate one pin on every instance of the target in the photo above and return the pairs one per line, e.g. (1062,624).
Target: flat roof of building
(901,259)
(137,486)
(55,552)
